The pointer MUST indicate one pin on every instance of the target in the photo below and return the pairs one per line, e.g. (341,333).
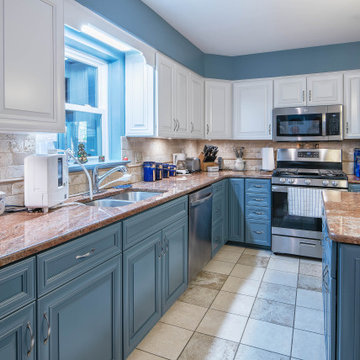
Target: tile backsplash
(15,147)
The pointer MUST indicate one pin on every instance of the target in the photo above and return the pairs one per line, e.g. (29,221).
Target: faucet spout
(98,179)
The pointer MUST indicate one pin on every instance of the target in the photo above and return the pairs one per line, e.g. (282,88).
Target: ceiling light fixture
(105,38)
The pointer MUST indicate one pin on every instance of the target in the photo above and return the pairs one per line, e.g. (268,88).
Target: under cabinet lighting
(105,38)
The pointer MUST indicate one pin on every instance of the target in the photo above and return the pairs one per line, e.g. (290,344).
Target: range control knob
(291,181)
(282,180)
(334,183)
(325,182)
(307,181)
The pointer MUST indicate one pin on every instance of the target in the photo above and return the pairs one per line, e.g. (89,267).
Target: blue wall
(138,19)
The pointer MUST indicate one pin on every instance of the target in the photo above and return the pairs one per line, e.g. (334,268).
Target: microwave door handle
(324,132)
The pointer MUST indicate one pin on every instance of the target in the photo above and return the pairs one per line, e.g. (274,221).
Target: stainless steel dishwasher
(200,214)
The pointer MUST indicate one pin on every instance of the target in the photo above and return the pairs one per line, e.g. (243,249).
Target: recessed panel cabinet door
(32,65)
(17,335)
(290,92)
(352,105)
(325,89)
(236,209)
(182,102)
(197,118)
(174,271)
(82,319)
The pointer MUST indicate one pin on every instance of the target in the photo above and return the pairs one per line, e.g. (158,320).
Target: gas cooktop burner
(310,173)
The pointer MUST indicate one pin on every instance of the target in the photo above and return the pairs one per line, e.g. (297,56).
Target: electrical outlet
(138,157)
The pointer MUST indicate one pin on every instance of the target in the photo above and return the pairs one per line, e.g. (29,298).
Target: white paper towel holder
(268,162)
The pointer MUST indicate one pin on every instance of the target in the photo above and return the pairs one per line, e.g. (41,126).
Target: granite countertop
(24,234)
(342,212)
(352,179)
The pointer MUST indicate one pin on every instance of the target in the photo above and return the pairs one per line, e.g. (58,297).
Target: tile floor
(246,304)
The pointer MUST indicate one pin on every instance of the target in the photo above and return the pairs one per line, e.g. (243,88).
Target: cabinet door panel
(352,105)
(290,92)
(253,110)
(197,119)
(15,336)
(325,89)
(182,102)
(32,65)
(218,109)
(84,316)
(236,210)
(174,270)
(142,287)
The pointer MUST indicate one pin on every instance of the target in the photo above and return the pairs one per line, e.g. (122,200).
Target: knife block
(205,165)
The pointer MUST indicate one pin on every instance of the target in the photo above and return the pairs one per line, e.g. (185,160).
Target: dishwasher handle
(201,201)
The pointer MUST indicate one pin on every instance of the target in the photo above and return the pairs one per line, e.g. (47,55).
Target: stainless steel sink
(108,202)
(134,195)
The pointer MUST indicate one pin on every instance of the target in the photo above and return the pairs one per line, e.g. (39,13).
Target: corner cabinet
(252,116)
(236,210)
(218,109)
(32,66)
(352,105)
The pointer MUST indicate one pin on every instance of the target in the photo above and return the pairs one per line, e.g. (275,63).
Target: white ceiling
(239,27)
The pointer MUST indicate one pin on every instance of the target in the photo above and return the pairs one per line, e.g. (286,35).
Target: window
(86,94)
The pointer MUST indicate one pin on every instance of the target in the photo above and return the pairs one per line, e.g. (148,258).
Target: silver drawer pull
(258,186)
(91,252)
(48,329)
(307,244)
(259,199)
(32,340)
(258,213)
(258,232)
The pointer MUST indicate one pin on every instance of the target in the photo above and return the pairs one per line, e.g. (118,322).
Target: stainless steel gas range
(297,183)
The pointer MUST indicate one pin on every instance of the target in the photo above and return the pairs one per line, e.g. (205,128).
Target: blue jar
(165,170)
(172,170)
(149,171)
(357,162)
(159,171)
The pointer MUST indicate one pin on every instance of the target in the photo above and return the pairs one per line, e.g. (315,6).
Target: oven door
(289,225)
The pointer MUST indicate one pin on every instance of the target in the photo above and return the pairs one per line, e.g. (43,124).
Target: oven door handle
(283,189)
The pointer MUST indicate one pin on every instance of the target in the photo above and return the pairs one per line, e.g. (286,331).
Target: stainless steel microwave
(308,123)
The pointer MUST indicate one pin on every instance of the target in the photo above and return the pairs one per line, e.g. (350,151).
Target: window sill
(102,165)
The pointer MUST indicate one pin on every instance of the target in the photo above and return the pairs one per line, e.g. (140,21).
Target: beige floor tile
(308,345)
(273,311)
(220,267)
(258,252)
(227,256)
(308,282)
(268,336)
(241,286)
(252,260)
(199,295)
(281,277)
(210,280)
(233,248)
(290,258)
(250,353)
(223,325)
(141,355)
(310,268)
(283,265)
(276,292)
(233,303)
(184,315)
(165,340)
(309,320)
(310,299)
(205,347)
(248,272)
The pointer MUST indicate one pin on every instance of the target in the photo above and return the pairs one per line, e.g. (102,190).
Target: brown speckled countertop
(342,211)
(352,179)
(24,234)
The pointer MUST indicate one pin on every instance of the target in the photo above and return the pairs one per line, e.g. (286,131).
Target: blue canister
(149,171)
(172,170)
(159,171)
(357,162)
(165,171)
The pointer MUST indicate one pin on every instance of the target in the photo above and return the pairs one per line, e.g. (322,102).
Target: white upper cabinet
(218,112)
(196,117)
(139,96)
(290,92)
(352,105)
(181,102)
(32,65)
(253,109)
(325,89)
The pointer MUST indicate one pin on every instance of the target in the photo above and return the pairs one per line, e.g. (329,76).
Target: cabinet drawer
(257,186)
(17,286)
(257,213)
(139,227)
(354,187)
(65,262)
(262,200)
(258,233)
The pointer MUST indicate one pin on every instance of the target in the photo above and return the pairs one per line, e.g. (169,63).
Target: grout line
(147,352)
(293,328)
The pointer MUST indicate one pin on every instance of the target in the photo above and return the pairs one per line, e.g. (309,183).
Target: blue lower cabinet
(236,210)
(217,236)
(258,233)
(174,262)
(354,187)
(141,289)
(82,319)
(18,334)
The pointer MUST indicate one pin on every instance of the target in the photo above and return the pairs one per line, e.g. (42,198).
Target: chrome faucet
(97,179)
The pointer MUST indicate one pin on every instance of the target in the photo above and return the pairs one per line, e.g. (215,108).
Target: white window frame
(102,95)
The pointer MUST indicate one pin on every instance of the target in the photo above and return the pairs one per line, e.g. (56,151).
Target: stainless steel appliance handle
(32,339)
(307,244)
(283,189)
(201,201)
